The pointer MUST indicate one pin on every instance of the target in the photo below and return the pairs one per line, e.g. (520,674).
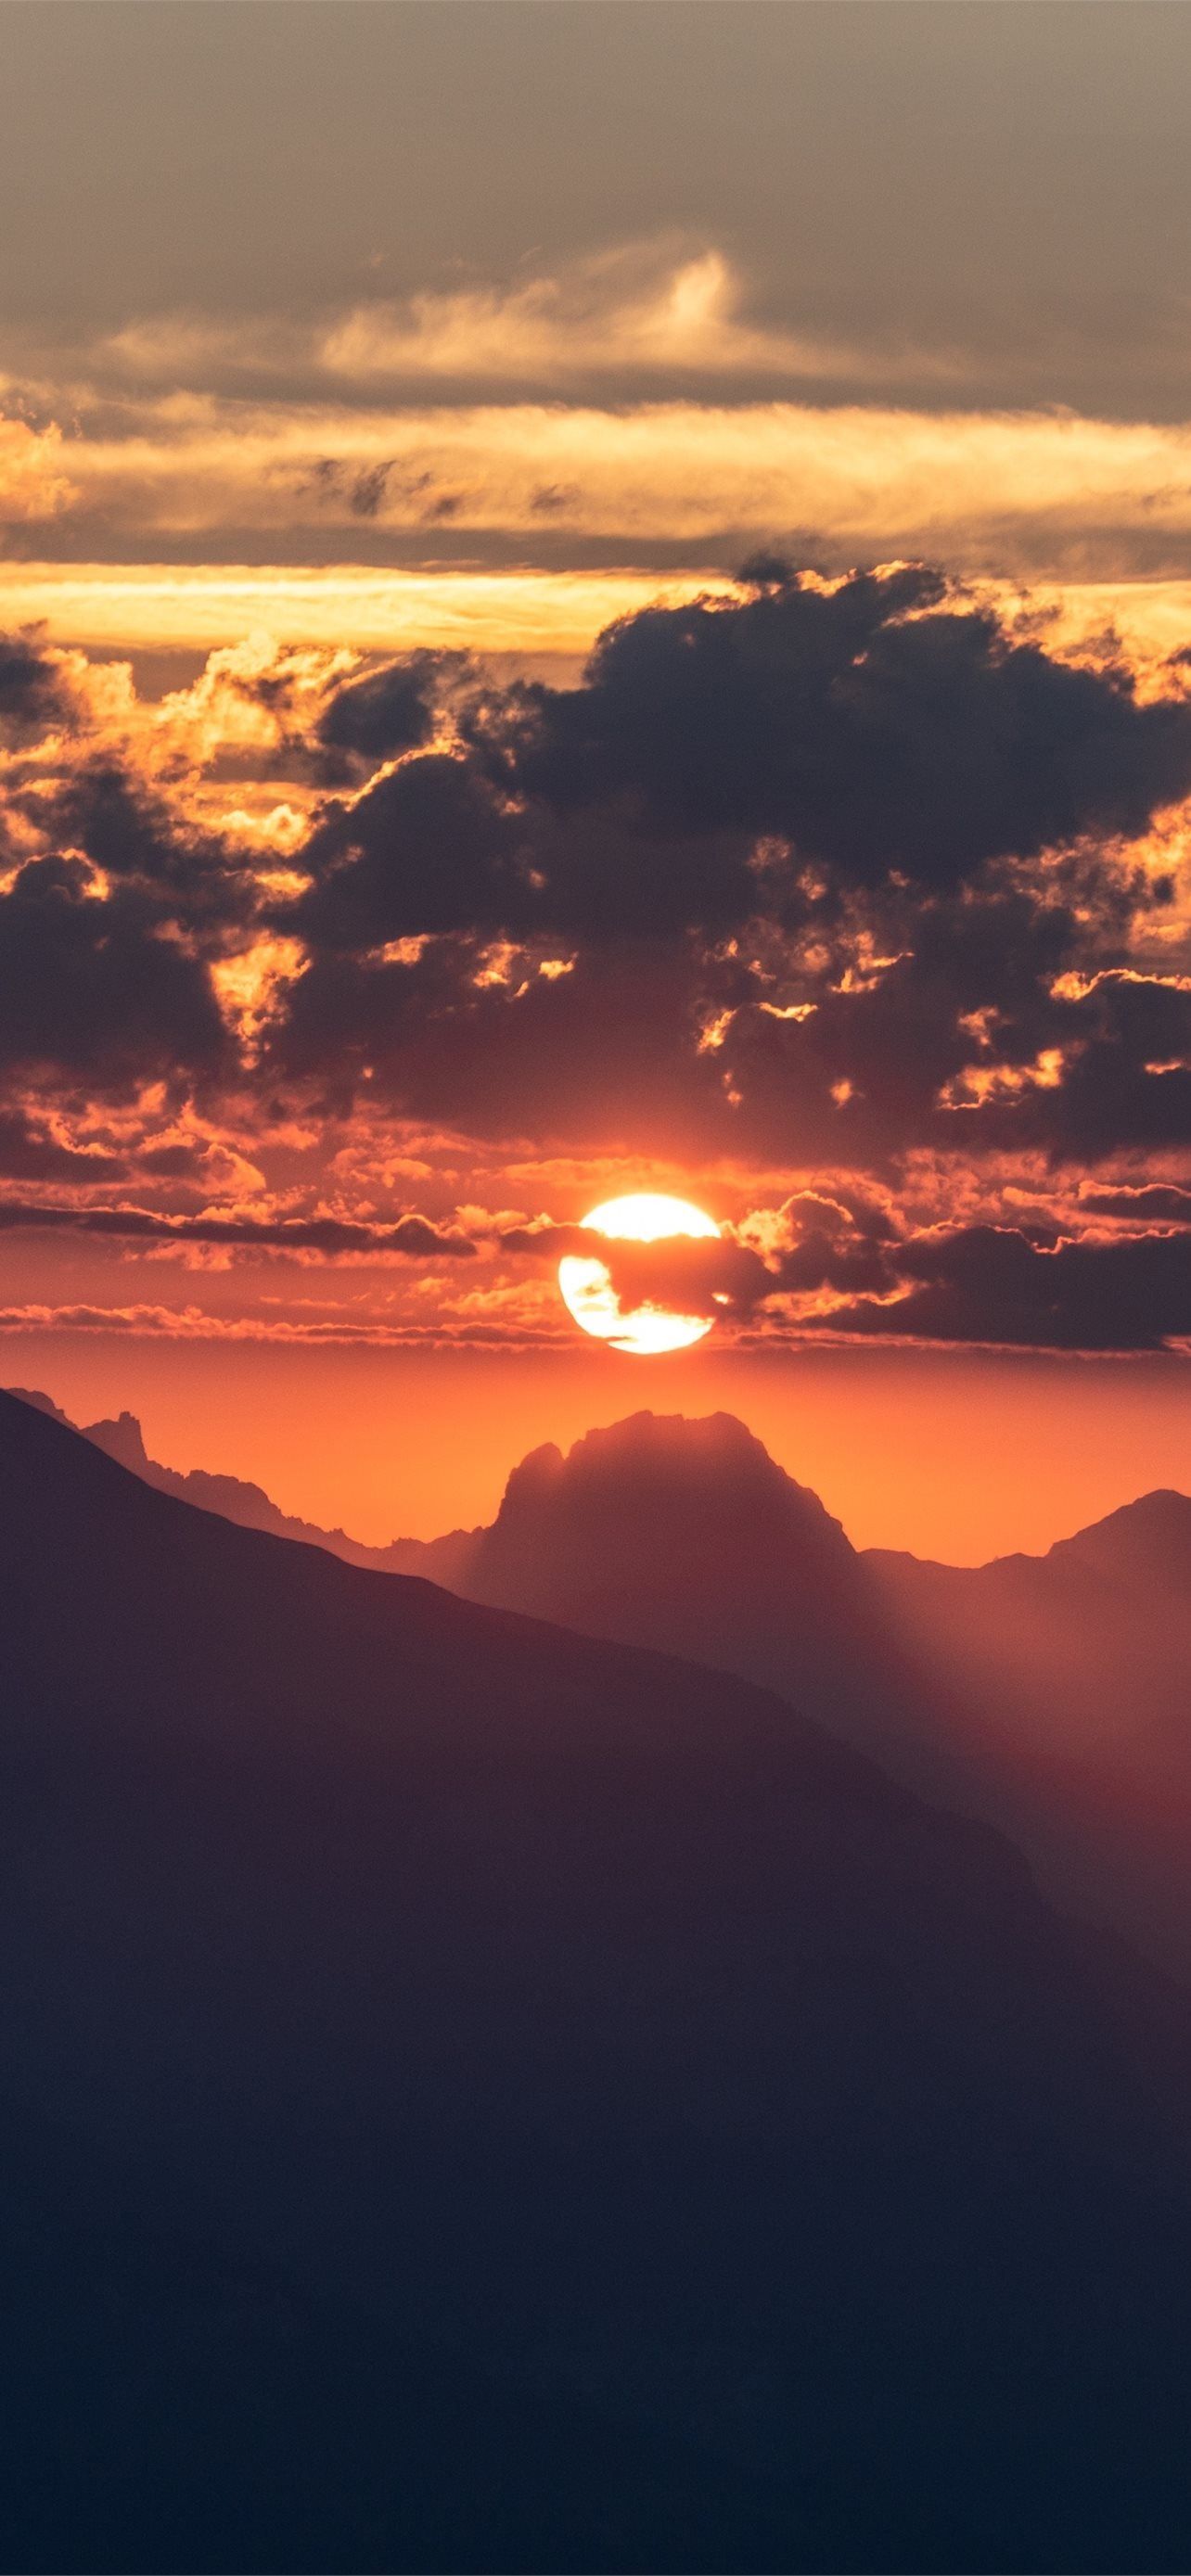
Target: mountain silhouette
(682,1535)
(1147,1542)
(1067,1683)
(1048,1695)
(234,1498)
(542,2102)
(170,2402)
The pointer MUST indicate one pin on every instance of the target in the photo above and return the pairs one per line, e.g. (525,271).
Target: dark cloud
(875,727)
(28,1154)
(427,848)
(1022,1286)
(690,1274)
(977,1033)
(1004,1285)
(414,1237)
(1150,1202)
(31,692)
(912,753)
(138,840)
(388,711)
(89,988)
(1126,1073)
(606,1049)
(369,490)
(436,846)
(848,1242)
(173,1162)
(959,1042)
(810,880)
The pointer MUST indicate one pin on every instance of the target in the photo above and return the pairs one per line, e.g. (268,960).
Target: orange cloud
(33,482)
(992,491)
(622,312)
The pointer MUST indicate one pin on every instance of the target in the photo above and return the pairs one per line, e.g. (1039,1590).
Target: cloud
(665,310)
(413,1237)
(88,988)
(711,758)
(146,1321)
(982,1283)
(1027,494)
(427,848)
(691,1275)
(1147,1202)
(30,685)
(996,1285)
(28,1153)
(969,1040)
(605,1051)
(634,312)
(860,881)
(876,725)
(385,712)
(129,607)
(33,480)
(539,616)
(779,868)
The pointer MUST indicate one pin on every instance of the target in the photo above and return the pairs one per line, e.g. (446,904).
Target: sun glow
(586,1283)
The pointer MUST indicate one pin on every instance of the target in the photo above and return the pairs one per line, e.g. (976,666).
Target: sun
(586,1284)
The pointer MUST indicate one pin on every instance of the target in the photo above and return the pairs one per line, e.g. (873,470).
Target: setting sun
(646,1216)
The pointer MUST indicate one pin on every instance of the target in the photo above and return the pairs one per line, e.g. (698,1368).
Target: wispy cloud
(33,481)
(1029,492)
(665,307)
(627,312)
(199,607)
(412,1237)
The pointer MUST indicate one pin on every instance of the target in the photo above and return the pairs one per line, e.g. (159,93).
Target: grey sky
(1009,182)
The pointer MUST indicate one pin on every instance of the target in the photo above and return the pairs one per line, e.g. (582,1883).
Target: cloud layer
(1029,493)
(859,904)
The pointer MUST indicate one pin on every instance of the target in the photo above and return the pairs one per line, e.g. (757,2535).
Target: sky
(596,595)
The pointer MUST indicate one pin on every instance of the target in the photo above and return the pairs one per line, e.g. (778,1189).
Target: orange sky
(216,1213)
(358,932)
(952,1456)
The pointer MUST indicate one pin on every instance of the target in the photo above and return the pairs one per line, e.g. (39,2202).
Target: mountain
(537,2103)
(1096,1634)
(1147,1543)
(170,2402)
(1048,1695)
(1068,1682)
(235,1499)
(683,1535)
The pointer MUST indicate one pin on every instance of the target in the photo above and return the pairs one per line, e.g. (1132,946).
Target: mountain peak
(674,1532)
(1147,1540)
(122,1438)
(704,1471)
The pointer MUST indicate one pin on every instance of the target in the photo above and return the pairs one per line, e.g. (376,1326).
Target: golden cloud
(1021,493)
(33,483)
(621,312)
(642,309)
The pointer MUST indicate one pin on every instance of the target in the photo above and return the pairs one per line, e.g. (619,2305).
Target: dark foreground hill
(1049,1695)
(482,2098)
(233,1497)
